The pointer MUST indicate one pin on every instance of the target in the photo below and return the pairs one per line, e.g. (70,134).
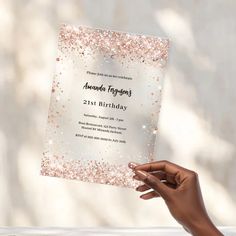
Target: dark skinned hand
(180,189)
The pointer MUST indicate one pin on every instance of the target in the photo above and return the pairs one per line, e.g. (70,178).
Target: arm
(180,189)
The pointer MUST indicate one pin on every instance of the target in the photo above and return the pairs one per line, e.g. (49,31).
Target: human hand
(180,189)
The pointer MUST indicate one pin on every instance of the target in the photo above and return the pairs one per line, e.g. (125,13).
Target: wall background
(197,126)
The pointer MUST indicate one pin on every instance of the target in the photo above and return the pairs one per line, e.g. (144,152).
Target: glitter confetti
(88,171)
(87,41)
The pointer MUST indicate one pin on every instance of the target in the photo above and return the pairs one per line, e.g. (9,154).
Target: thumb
(154,183)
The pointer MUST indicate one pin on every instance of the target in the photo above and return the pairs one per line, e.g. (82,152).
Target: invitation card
(105,104)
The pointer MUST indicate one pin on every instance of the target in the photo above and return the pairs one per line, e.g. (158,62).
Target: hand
(180,189)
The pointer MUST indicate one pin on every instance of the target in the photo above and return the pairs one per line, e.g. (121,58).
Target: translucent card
(105,104)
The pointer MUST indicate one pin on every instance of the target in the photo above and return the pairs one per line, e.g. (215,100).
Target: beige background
(197,127)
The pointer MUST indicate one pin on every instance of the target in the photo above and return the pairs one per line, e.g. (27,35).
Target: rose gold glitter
(88,171)
(120,45)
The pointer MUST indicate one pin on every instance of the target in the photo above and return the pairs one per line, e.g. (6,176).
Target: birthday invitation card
(105,104)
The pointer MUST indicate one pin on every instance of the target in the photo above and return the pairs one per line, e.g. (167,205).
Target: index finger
(166,166)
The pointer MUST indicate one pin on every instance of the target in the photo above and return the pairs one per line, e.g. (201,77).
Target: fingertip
(136,177)
(142,197)
(132,165)
(138,189)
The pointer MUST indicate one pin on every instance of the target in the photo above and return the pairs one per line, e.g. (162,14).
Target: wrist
(203,228)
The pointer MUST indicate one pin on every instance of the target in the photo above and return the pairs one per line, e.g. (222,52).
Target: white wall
(197,126)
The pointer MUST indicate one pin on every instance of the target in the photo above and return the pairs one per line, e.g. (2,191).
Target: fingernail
(136,177)
(142,174)
(132,165)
